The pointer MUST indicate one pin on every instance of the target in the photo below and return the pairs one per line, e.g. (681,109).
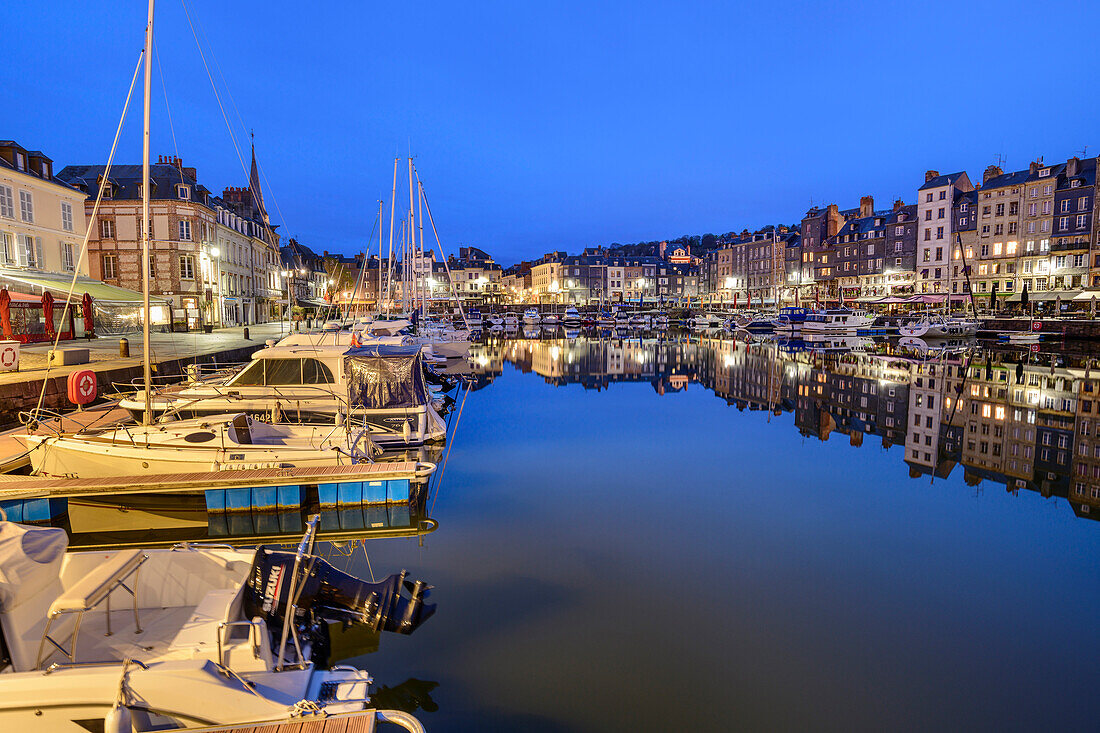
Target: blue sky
(557,126)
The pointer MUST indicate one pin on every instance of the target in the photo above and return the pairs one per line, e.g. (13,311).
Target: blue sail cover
(382,376)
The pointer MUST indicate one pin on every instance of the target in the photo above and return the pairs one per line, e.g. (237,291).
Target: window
(26,207)
(152,266)
(1081,220)
(183,192)
(927,235)
(7,203)
(7,247)
(939,232)
(106,229)
(185,230)
(187,267)
(1065,205)
(928,197)
(1082,203)
(66,216)
(928,215)
(939,213)
(29,251)
(67,257)
(110,267)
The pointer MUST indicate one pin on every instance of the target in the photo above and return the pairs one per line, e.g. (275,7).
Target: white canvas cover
(30,560)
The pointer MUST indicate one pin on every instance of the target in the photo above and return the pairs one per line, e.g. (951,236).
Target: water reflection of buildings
(1019,419)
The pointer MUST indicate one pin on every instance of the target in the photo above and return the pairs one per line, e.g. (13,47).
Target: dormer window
(183,192)
(20,161)
(1074,184)
(1043,173)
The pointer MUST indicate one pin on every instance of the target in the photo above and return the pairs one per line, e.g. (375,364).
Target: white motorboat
(310,384)
(706,321)
(572,317)
(935,326)
(605,320)
(473,319)
(836,321)
(531,317)
(494,319)
(550,320)
(640,320)
(192,636)
(511,319)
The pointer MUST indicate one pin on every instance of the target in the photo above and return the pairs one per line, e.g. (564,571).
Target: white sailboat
(199,635)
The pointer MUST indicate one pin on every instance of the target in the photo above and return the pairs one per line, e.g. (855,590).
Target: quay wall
(22,396)
(1083,329)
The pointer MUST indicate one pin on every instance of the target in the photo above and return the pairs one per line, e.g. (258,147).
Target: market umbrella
(993,298)
(1092,307)
(47,312)
(1058,306)
(5,314)
(89,323)
(1024,297)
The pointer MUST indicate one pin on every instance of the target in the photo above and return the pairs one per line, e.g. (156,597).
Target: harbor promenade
(170,353)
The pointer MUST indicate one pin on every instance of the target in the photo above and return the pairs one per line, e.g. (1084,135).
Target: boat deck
(14,454)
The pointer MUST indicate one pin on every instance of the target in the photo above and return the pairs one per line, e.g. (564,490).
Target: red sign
(9,356)
(82,387)
(1036,325)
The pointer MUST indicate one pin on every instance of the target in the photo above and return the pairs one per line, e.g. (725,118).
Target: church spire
(254,186)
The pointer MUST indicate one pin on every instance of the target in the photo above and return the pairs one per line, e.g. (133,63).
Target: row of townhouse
(214,260)
(596,276)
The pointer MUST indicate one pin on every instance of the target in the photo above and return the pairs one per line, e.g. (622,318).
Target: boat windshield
(283,372)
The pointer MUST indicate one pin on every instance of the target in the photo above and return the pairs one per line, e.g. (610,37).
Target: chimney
(866,206)
(1032,167)
(929,175)
(898,204)
(991,172)
(1073,166)
(832,220)
(191,173)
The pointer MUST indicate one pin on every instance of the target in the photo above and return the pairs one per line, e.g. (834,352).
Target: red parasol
(5,314)
(89,322)
(47,312)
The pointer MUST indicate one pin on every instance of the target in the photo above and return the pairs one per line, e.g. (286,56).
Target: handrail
(304,547)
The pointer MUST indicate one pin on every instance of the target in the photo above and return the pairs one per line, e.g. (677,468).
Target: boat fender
(118,720)
(406,430)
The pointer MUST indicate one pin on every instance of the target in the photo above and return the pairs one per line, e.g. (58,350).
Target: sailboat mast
(378,292)
(147,416)
(411,240)
(426,288)
(389,260)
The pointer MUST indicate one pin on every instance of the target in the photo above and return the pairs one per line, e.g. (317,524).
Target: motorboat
(311,385)
(622,319)
(184,637)
(531,317)
(640,320)
(706,321)
(494,319)
(571,318)
(1021,337)
(837,321)
(605,320)
(511,320)
(936,326)
(789,320)
(660,321)
(473,318)
(550,320)
(753,323)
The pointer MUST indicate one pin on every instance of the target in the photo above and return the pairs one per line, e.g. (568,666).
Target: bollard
(123,347)
(246,334)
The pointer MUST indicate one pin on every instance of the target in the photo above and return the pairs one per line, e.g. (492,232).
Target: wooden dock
(36,487)
(362,722)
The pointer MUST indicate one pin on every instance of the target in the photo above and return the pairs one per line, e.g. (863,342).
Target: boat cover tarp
(30,559)
(381,376)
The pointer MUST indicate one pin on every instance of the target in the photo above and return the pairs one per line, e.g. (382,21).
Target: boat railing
(289,633)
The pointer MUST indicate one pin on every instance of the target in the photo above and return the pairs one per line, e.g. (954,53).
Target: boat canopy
(30,560)
(381,376)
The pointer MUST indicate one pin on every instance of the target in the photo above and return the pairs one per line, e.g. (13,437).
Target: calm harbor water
(698,534)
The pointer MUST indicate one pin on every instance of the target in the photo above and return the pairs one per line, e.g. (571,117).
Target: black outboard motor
(326,594)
